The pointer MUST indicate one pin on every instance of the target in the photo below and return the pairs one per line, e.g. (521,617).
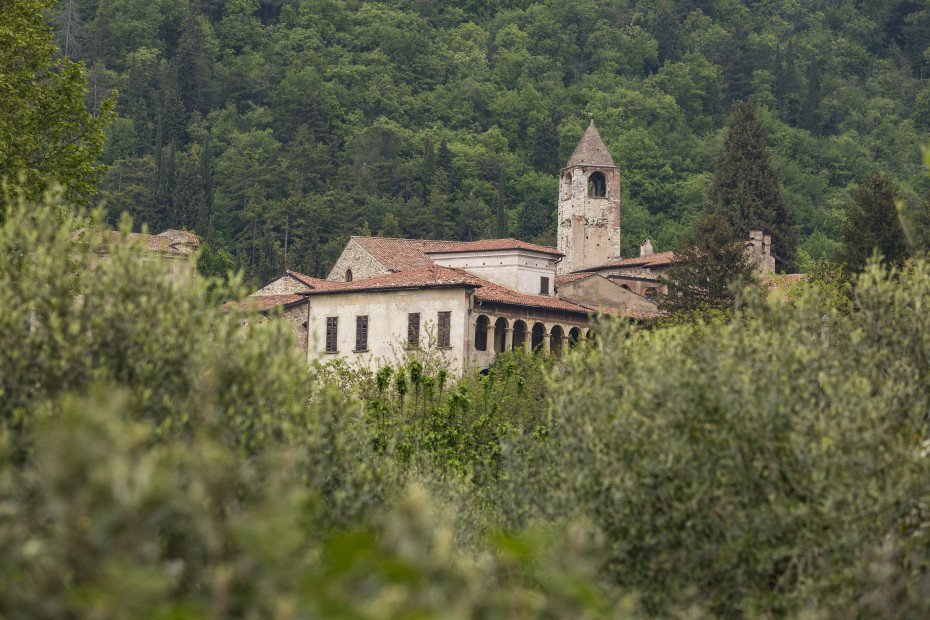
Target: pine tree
(535,221)
(872,223)
(546,148)
(707,264)
(668,36)
(190,63)
(190,196)
(746,189)
(70,29)
(812,103)
(429,166)
(501,228)
(444,162)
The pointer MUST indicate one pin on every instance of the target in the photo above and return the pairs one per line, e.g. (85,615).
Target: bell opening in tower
(597,185)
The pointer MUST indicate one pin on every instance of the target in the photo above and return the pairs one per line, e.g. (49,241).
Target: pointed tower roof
(590,151)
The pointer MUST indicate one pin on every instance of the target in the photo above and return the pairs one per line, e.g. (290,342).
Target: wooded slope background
(265,125)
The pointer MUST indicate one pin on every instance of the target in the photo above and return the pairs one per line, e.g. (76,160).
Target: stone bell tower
(589,206)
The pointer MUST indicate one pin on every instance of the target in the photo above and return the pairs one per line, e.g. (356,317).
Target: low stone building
(174,250)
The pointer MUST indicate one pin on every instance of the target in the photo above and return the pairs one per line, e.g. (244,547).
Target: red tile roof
(396,254)
(653,260)
(404,254)
(446,277)
(313,283)
(486,245)
(572,277)
(433,276)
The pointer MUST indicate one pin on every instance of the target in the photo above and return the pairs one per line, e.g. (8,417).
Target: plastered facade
(599,291)
(588,226)
(387,313)
(518,270)
(356,258)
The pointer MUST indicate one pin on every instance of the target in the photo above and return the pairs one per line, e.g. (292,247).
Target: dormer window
(597,185)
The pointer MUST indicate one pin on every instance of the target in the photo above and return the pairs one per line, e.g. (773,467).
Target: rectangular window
(332,324)
(361,333)
(544,286)
(445,329)
(413,329)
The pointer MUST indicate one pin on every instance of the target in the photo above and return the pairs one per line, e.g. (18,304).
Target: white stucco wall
(387,324)
(518,270)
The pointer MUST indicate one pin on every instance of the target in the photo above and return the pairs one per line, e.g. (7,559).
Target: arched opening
(574,337)
(650,294)
(519,335)
(555,340)
(539,332)
(590,337)
(625,286)
(597,185)
(348,275)
(567,185)
(481,333)
(500,335)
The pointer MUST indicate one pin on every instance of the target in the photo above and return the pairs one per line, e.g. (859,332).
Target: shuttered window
(544,286)
(332,324)
(445,329)
(413,329)
(361,333)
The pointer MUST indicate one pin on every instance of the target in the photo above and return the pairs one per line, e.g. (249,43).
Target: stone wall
(362,264)
(282,285)
(601,292)
(588,226)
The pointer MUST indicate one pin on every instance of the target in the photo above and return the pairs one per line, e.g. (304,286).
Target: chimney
(645,248)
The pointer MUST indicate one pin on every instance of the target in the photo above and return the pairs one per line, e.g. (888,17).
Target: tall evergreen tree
(707,263)
(668,36)
(873,223)
(546,148)
(190,196)
(812,103)
(444,162)
(190,63)
(746,189)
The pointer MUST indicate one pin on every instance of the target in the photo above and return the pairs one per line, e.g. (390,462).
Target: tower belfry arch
(589,206)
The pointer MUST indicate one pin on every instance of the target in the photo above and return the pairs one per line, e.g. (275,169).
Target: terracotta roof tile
(486,245)
(314,283)
(591,150)
(572,277)
(433,276)
(654,260)
(396,254)
(446,277)
(404,254)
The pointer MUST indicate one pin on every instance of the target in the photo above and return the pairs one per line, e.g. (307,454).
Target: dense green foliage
(317,119)
(746,190)
(169,463)
(711,272)
(46,135)
(873,224)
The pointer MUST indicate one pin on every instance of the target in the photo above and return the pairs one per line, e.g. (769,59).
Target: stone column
(508,339)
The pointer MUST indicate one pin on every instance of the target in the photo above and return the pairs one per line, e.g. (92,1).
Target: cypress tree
(812,103)
(747,190)
(190,63)
(707,262)
(872,223)
(546,148)
(668,36)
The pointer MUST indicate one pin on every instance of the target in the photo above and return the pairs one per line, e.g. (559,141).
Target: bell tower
(589,206)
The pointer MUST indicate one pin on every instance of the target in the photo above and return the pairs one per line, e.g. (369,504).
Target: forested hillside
(283,126)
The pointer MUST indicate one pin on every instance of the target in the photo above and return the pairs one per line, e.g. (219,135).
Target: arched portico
(519,336)
(537,342)
(500,335)
(556,335)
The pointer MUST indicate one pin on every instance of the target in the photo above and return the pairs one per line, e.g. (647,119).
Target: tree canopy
(873,224)
(324,108)
(747,189)
(46,134)
(710,266)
